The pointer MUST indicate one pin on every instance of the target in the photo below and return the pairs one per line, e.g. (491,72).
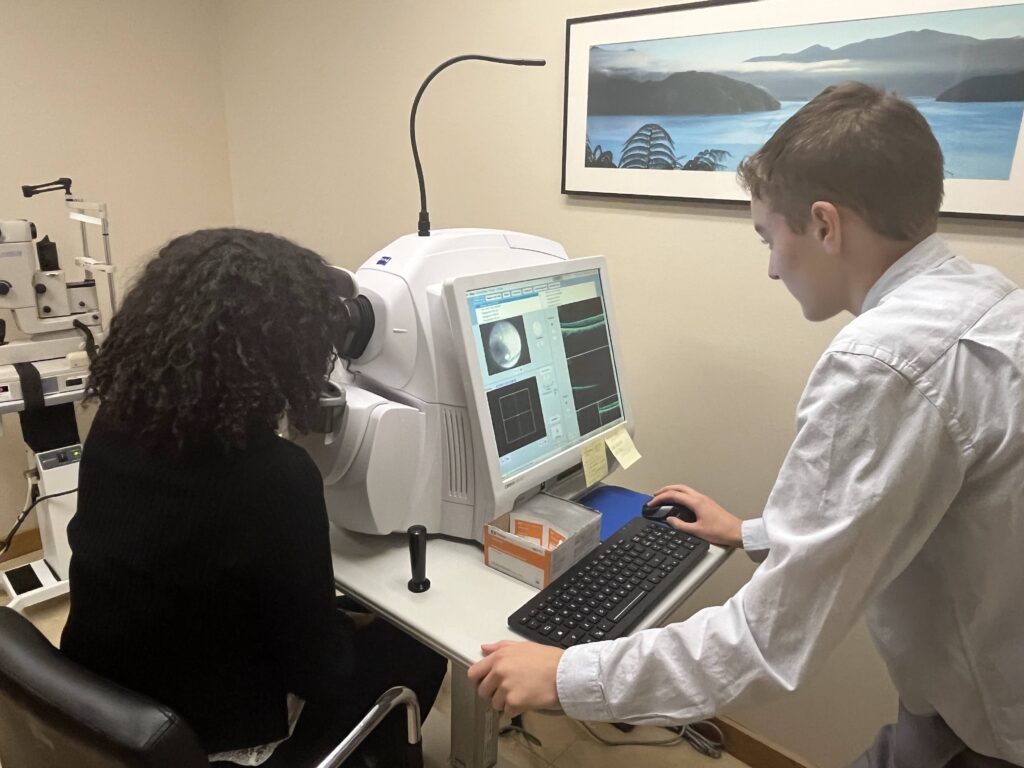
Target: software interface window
(547,364)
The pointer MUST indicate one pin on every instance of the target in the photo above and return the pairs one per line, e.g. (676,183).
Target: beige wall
(318,96)
(123,96)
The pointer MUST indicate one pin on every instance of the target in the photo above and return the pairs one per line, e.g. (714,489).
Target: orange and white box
(540,539)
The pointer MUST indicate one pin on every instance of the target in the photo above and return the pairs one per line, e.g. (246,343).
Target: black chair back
(55,713)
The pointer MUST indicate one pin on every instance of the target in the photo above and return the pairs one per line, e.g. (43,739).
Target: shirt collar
(927,254)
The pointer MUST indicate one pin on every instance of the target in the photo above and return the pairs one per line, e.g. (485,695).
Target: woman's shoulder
(273,467)
(277,455)
(276,477)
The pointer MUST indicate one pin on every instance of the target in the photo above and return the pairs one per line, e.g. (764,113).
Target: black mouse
(663,511)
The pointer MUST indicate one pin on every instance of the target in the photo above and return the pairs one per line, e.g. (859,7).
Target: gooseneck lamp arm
(424,220)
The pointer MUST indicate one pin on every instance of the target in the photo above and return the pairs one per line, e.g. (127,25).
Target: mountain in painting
(990,88)
(682,93)
(921,63)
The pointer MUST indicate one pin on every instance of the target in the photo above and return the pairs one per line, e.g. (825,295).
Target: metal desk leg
(474,724)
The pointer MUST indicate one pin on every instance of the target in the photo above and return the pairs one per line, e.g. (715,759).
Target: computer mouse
(663,511)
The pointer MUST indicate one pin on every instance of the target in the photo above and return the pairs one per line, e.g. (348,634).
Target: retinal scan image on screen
(546,359)
(588,352)
(505,345)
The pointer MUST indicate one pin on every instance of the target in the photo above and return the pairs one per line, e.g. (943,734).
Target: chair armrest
(388,700)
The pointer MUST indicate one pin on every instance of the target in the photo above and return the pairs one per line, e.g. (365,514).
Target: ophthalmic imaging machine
(44,364)
(480,362)
(477,365)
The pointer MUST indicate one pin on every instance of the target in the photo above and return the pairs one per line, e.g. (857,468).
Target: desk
(467,604)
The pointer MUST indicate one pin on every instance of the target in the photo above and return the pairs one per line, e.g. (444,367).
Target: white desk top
(468,603)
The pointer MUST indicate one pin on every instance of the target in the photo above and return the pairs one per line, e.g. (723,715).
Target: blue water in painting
(978,139)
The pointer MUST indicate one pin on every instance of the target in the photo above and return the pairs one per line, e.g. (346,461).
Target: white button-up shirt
(902,496)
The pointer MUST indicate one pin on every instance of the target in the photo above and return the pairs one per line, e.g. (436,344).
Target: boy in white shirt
(902,496)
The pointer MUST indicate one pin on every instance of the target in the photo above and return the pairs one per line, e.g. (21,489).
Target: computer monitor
(539,352)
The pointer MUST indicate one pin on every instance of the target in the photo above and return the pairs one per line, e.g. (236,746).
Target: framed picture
(665,102)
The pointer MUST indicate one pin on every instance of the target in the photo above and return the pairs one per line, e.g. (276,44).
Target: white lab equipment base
(50,588)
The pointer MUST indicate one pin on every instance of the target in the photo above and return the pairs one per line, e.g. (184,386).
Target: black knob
(418,557)
(46,310)
(5,287)
(40,288)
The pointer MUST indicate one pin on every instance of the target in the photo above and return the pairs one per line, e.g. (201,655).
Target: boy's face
(809,270)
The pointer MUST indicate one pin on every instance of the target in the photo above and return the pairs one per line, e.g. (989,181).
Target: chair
(55,713)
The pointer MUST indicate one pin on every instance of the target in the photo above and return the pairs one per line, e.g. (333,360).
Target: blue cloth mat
(617,506)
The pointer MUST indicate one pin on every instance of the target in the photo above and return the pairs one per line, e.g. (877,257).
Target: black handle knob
(418,558)
(5,287)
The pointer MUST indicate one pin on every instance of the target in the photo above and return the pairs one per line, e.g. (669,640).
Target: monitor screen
(548,368)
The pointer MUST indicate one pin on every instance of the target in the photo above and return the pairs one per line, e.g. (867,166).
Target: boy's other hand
(517,676)
(714,523)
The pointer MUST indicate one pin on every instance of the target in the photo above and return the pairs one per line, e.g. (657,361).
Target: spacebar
(628,602)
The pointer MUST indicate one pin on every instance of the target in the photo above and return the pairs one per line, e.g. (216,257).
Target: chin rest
(54,712)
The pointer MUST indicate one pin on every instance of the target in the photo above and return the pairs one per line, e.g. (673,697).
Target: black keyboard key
(627,605)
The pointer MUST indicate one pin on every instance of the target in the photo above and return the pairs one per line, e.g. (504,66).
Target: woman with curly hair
(201,572)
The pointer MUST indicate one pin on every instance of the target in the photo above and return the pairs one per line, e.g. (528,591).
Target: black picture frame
(628,71)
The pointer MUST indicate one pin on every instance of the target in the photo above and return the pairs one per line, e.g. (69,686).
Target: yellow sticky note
(595,461)
(622,447)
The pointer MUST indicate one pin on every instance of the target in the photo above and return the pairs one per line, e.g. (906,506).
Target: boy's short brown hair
(856,146)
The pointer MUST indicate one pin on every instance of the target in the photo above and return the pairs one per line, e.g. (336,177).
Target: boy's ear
(826,225)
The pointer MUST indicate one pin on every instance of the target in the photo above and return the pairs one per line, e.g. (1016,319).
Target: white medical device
(480,361)
(61,323)
(47,577)
(492,361)
(54,314)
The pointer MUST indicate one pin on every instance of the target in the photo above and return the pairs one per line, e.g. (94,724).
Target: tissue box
(538,540)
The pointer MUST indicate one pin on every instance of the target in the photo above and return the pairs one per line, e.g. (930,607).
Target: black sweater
(205,582)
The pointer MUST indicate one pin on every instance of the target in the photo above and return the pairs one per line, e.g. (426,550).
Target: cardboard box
(554,534)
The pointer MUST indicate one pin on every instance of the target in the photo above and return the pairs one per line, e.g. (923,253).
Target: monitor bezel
(455,292)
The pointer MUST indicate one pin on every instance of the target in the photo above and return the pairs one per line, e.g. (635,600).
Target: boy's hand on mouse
(714,523)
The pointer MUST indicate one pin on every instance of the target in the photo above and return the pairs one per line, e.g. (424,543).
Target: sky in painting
(730,50)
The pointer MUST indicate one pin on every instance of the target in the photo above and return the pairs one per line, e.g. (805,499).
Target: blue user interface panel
(547,364)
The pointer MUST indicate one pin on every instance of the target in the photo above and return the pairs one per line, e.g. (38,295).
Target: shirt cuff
(578,681)
(755,539)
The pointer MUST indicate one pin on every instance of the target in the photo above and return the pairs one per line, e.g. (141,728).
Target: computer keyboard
(606,593)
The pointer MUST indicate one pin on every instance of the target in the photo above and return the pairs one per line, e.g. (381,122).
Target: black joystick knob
(418,556)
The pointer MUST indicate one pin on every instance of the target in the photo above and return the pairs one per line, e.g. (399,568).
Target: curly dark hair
(224,331)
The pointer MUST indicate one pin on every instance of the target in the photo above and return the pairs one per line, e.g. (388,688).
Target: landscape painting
(671,113)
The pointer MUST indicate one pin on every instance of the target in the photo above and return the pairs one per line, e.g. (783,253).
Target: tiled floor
(564,742)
